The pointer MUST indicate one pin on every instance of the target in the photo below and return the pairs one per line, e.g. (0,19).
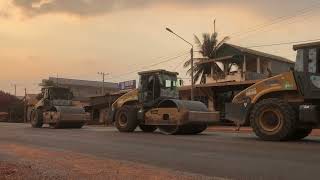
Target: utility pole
(192,76)
(57,79)
(25,105)
(191,53)
(15,89)
(214,26)
(214,31)
(103,77)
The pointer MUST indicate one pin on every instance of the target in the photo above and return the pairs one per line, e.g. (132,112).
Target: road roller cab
(155,104)
(156,86)
(56,108)
(286,106)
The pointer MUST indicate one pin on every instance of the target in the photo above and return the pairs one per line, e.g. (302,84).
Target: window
(313,64)
(318,60)
(168,83)
(299,61)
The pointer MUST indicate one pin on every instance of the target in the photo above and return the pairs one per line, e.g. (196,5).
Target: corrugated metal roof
(258,53)
(220,84)
(306,45)
(206,61)
(157,71)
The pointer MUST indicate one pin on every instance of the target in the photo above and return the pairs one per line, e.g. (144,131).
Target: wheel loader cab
(307,70)
(156,86)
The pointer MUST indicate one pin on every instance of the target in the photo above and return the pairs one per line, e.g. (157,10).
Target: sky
(78,38)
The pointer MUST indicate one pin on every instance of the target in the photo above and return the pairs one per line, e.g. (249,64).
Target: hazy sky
(78,38)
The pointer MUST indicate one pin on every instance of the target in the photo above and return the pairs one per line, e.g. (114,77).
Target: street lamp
(191,52)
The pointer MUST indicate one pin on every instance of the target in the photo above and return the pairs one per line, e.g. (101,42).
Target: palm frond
(187,63)
(207,48)
(197,41)
(197,76)
(224,40)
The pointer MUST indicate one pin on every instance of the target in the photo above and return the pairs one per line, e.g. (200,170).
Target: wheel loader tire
(273,120)
(126,119)
(301,133)
(37,118)
(147,128)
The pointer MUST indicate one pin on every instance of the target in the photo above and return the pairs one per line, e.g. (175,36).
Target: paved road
(236,156)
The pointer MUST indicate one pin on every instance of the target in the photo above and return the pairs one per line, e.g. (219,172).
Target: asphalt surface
(228,155)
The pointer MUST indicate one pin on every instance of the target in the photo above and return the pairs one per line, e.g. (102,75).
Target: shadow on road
(303,141)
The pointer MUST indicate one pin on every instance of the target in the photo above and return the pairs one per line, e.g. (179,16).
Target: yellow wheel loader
(155,104)
(56,109)
(286,106)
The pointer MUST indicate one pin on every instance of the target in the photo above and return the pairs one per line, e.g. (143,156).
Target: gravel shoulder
(26,162)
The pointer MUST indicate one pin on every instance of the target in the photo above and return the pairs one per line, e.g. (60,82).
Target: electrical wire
(180,63)
(283,43)
(275,21)
(151,65)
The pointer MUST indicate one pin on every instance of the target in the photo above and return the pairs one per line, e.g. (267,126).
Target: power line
(180,63)
(268,29)
(283,43)
(275,21)
(151,65)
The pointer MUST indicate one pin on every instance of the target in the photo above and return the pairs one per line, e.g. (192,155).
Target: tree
(207,48)
(11,104)
(6,100)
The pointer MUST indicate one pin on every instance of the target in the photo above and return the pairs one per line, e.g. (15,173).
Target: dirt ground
(34,163)
(17,171)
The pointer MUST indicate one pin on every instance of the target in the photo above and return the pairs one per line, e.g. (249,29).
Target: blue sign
(127,85)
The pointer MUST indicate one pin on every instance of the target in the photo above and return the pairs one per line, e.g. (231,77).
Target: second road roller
(156,105)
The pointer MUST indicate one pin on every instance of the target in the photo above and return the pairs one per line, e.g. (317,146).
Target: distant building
(83,89)
(242,64)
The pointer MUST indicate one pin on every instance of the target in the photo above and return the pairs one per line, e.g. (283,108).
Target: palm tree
(207,48)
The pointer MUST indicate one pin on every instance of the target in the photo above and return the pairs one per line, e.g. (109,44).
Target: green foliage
(207,48)
(11,104)
(6,100)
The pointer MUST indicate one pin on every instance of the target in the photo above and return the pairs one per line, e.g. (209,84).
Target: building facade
(234,69)
(235,63)
(83,89)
